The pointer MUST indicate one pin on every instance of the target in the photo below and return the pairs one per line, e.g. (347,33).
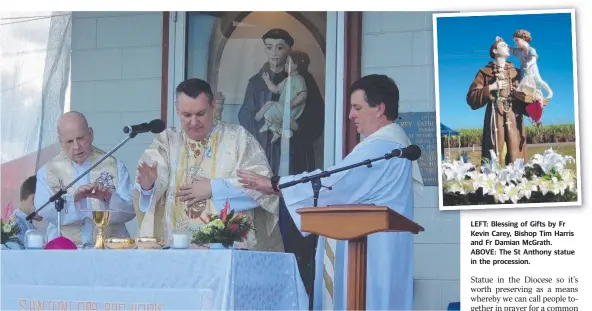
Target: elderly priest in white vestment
(77,155)
(186,174)
(374,109)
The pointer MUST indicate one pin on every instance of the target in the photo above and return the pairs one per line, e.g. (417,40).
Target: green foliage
(555,133)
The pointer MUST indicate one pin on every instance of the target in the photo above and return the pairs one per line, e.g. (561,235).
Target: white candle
(34,241)
(180,240)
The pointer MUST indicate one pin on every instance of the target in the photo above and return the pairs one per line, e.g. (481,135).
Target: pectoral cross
(508,122)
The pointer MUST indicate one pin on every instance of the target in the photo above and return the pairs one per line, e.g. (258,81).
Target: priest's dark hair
(379,89)
(28,187)
(194,87)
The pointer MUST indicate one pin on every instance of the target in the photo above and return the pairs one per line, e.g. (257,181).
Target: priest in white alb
(107,186)
(186,174)
(392,183)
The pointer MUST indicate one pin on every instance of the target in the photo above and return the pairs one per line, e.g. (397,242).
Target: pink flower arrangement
(10,230)
(226,228)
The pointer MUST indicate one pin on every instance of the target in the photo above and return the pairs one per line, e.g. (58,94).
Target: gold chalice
(101,220)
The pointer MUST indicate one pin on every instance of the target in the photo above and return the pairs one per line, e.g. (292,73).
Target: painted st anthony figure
(306,128)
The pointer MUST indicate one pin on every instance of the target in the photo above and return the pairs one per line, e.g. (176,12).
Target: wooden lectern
(354,223)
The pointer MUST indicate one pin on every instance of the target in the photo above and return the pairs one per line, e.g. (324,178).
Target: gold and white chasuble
(61,173)
(227,148)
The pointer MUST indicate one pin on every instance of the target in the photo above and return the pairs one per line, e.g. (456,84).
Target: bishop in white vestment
(186,174)
(107,186)
(390,183)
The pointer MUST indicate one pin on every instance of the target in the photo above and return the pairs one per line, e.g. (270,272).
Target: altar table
(150,280)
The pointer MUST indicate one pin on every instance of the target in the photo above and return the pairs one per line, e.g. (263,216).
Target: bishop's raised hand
(147,175)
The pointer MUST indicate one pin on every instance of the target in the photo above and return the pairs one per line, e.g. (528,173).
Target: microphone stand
(315,181)
(57,197)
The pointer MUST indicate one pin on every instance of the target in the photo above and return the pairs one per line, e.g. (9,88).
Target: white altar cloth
(150,280)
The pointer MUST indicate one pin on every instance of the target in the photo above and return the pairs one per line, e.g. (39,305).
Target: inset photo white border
(485,59)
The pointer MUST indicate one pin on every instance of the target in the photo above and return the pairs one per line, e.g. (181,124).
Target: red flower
(225,211)
(7,212)
(234,227)
(245,234)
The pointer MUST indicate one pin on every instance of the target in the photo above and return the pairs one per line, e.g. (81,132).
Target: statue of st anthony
(494,86)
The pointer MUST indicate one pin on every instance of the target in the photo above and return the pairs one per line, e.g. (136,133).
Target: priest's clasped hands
(198,190)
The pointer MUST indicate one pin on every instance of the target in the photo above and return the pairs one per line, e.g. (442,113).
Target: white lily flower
(569,179)
(513,192)
(456,170)
(544,186)
(510,183)
(499,193)
(485,181)
(550,160)
(454,186)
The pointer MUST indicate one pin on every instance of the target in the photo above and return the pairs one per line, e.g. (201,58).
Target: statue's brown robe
(510,124)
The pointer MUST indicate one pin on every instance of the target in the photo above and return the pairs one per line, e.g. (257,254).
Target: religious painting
(245,57)
(506,100)
(267,71)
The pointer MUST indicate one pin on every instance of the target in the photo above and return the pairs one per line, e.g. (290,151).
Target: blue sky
(463,48)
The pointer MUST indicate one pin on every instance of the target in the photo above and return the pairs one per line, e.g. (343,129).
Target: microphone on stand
(411,153)
(155,126)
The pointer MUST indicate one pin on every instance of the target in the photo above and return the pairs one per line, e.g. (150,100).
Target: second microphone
(155,126)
